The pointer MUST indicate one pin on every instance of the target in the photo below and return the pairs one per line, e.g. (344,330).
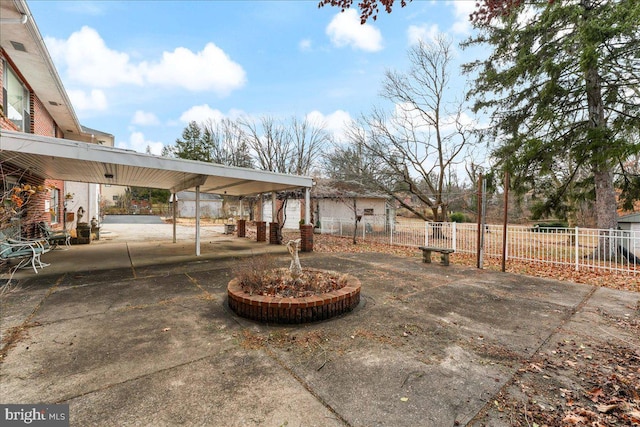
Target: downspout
(22,20)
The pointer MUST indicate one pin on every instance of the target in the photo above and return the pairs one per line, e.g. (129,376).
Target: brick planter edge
(294,310)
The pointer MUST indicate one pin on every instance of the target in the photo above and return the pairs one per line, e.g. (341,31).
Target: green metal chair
(54,238)
(24,251)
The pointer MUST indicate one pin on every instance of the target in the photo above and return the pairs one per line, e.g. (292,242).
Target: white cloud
(345,29)
(334,123)
(201,113)
(138,143)
(144,118)
(426,33)
(462,11)
(304,45)
(94,100)
(89,61)
(210,69)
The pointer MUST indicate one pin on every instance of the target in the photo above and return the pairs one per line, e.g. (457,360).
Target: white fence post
(426,233)
(577,247)
(364,227)
(453,235)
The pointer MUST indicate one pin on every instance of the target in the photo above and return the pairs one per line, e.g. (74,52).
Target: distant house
(331,200)
(210,205)
(630,224)
(113,195)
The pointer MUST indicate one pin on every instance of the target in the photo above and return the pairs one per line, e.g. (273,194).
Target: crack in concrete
(556,330)
(14,334)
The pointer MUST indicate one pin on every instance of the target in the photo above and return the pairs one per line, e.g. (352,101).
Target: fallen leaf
(166,329)
(404,399)
(595,394)
(606,408)
(534,367)
(574,419)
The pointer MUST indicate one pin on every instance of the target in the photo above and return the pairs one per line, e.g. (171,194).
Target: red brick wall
(33,211)
(41,124)
(306,234)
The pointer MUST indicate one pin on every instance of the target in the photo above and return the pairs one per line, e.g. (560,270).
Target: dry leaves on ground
(332,244)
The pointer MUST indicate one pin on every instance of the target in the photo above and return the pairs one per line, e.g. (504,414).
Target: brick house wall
(41,124)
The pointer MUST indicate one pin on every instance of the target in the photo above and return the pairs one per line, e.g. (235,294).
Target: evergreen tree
(194,145)
(561,85)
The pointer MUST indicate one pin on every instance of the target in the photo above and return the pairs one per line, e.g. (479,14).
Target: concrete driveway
(147,340)
(138,228)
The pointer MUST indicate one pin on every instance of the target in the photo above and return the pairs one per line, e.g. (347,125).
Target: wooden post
(479,243)
(505,221)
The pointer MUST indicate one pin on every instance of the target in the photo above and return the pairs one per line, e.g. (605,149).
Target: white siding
(293,213)
(337,208)
(208,208)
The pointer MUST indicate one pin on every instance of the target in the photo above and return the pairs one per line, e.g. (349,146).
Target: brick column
(261,231)
(242,228)
(273,233)
(306,234)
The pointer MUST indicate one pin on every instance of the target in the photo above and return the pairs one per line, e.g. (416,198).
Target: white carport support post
(274,209)
(240,209)
(175,214)
(307,206)
(198,220)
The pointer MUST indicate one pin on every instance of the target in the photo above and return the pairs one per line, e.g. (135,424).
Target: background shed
(210,205)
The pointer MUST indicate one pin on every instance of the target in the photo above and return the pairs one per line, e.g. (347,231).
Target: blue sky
(141,70)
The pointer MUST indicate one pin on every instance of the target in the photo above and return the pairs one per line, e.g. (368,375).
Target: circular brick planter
(294,310)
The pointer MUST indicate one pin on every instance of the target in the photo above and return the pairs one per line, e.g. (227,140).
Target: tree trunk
(357,220)
(606,212)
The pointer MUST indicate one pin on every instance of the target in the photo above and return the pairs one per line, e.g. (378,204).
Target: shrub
(458,217)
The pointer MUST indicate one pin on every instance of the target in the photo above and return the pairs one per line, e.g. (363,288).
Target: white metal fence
(582,248)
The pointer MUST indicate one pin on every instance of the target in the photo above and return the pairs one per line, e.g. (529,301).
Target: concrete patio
(139,333)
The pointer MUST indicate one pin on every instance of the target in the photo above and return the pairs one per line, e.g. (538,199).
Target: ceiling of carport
(67,160)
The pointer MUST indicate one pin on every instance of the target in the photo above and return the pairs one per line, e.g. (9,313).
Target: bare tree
(308,139)
(270,143)
(291,147)
(427,136)
(227,146)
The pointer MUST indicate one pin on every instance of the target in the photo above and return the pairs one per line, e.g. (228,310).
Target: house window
(15,99)
(116,198)
(368,211)
(54,206)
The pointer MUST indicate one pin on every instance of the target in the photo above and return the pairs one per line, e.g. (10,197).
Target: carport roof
(68,160)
